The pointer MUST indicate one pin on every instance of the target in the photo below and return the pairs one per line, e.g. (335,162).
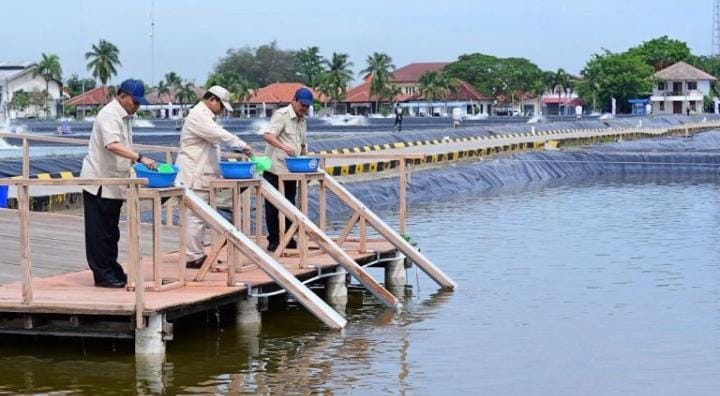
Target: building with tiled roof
(267,99)
(406,78)
(98,96)
(680,89)
(162,106)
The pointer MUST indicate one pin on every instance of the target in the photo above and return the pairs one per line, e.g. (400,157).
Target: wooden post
(231,252)
(26,159)
(245,210)
(25,262)
(259,202)
(134,257)
(212,201)
(157,241)
(363,234)
(168,203)
(281,215)
(322,205)
(182,249)
(304,184)
(403,196)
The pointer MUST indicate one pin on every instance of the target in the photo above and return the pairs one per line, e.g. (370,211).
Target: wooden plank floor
(63,284)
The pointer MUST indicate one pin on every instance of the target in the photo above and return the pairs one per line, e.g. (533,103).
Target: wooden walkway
(62,283)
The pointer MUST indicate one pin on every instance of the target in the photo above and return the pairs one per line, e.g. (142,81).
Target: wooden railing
(403,176)
(135,270)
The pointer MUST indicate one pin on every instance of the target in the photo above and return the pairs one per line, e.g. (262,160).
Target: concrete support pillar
(335,286)
(149,340)
(395,271)
(248,313)
(248,322)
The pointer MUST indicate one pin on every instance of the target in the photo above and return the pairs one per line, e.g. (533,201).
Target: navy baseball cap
(304,96)
(136,89)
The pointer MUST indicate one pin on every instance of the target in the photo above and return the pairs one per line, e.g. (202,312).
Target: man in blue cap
(110,155)
(286,135)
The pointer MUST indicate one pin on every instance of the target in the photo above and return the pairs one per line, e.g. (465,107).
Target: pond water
(603,287)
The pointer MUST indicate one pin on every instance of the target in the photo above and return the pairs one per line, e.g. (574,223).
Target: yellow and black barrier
(47,203)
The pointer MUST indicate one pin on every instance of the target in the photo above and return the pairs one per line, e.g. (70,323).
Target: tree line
(606,75)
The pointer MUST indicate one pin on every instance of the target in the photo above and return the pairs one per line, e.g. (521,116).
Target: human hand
(289,150)
(149,162)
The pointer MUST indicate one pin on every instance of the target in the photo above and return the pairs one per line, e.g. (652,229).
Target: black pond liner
(649,159)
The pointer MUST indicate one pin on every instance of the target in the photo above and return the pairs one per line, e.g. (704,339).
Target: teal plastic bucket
(3,196)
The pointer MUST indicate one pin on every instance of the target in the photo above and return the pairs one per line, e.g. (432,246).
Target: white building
(15,76)
(680,89)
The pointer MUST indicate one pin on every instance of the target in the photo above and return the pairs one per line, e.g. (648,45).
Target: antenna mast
(715,50)
(152,43)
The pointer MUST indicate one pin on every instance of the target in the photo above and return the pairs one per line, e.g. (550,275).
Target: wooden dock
(63,300)
(66,302)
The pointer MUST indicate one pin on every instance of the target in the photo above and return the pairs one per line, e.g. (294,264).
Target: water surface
(609,287)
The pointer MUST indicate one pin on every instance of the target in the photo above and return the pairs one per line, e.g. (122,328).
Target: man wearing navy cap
(286,135)
(110,155)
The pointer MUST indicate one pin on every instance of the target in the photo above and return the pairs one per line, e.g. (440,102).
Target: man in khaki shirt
(198,160)
(110,155)
(286,135)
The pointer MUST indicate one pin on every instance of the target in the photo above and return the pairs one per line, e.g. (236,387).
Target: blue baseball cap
(304,96)
(136,89)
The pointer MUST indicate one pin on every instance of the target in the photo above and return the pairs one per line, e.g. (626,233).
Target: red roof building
(97,96)
(413,72)
(278,94)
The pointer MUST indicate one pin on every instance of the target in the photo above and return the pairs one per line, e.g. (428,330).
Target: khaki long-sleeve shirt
(112,125)
(289,129)
(200,142)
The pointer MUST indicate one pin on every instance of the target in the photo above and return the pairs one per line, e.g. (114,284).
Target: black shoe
(272,247)
(197,263)
(112,284)
(292,244)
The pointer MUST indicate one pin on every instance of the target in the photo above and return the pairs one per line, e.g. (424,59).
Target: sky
(190,36)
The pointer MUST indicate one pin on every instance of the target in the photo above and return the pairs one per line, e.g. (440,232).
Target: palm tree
(560,84)
(163,89)
(379,66)
(186,94)
(103,59)
(337,76)
(49,67)
(435,85)
(240,91)
(323,86)
(173,80)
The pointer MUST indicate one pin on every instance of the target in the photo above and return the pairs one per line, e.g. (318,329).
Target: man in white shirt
(286,135)
(398,117)
(198,160)
(110,155)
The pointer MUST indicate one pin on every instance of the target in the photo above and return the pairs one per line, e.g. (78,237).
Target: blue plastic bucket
(302,164)
(237,169)
(3,196)
(156,179)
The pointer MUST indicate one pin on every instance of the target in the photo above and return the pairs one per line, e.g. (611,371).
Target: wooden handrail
(74,182)
(84,142)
